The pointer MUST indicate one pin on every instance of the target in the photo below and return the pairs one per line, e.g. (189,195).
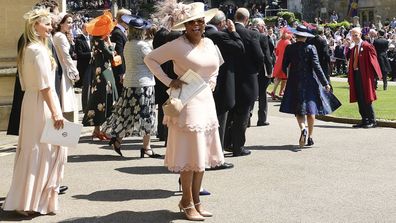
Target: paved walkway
(348,176)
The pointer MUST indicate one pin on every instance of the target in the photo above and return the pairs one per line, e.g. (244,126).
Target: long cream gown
(38,167)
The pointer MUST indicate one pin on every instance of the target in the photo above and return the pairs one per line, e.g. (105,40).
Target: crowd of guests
(124,65)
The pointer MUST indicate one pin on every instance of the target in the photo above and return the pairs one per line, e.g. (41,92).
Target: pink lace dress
(193,138)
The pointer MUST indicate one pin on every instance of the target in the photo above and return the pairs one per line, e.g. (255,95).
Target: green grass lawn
(384,106)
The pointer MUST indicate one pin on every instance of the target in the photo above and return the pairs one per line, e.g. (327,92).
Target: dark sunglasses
(199,21)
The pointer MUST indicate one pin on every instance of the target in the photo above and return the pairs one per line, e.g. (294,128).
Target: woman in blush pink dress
(38,168)
(193,138)
(278,74)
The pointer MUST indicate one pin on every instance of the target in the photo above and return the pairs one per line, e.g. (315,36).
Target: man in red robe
(363,69)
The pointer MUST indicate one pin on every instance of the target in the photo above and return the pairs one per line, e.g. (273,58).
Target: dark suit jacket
(83,56)
(161,37)
(323,53)
(247,68)
(119,38)
(264,44)
(231,46)
(381,46)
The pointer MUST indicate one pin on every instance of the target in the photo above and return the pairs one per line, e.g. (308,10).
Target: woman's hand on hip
(176,83)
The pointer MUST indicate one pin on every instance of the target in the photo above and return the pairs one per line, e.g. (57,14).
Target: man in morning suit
(363,70)
(265,72)
(119,37)
(230,45)
(381,47)
(84,54)
(246,86)
(319,41)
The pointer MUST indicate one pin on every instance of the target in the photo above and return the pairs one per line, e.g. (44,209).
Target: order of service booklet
(195,84)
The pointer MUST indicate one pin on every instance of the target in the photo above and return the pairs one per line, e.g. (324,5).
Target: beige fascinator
(173,15)
(36,13)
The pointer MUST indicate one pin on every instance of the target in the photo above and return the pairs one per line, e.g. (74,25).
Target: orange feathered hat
(101,25)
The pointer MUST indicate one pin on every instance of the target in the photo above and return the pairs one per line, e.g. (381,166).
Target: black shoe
(310,142)
(260,123)
(116,144)
(359,125)
(303,138)
(370,125)
(147,152)
(222,166)
(242,152)
(63,189)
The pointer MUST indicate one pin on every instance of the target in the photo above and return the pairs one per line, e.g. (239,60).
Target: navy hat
(302,31)
(136,22)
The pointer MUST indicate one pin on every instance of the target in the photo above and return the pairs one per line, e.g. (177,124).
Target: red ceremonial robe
(369,69)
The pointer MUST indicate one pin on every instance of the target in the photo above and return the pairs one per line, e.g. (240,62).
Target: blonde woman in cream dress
(38,167)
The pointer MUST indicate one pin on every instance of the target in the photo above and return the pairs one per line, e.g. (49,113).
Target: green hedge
(335,26)
(286,15)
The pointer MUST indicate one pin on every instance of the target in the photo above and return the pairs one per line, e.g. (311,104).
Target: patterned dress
(134,112)
(193,137)
(103,90)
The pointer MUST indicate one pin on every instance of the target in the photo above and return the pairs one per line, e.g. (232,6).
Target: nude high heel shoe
(188,216)
(202,212)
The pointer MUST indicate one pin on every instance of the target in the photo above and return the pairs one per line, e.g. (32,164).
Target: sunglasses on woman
(199,21)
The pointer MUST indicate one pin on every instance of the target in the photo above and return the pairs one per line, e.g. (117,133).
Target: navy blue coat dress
(305,93)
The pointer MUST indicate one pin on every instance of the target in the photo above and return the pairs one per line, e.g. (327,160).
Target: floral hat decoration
(101,25)
(172,15)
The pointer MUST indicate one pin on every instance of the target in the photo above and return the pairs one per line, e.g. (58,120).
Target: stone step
(7,81)
(5,111)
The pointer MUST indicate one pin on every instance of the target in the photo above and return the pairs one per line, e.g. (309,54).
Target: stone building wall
(11,27)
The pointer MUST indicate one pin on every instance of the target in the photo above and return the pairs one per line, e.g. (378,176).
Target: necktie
(356,57)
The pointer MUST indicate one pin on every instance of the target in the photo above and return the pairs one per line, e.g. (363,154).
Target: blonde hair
(122,12)
(134,33)
(36,15)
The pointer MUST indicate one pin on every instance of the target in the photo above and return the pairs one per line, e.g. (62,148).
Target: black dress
(103,90)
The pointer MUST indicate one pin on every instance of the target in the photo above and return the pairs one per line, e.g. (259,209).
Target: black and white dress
(134,112)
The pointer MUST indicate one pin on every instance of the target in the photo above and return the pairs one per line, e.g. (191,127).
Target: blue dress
(305,93)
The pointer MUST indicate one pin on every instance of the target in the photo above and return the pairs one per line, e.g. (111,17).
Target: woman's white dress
(38,167)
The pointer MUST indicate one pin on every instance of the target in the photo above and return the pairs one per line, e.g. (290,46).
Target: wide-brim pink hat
(191,12)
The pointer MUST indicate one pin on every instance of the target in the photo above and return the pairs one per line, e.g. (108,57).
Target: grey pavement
(347,176)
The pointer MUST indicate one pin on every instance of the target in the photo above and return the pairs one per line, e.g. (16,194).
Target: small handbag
(117,61)
(173,106)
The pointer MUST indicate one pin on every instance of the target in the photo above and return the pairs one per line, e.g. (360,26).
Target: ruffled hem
(177,169)
(168,121)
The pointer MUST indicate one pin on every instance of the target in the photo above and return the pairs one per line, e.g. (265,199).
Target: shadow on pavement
(12,216)
(144,170)
(126,195)
(293,148)
(95,157)
(160,216)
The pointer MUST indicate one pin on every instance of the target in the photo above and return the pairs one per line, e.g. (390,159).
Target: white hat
(193,11)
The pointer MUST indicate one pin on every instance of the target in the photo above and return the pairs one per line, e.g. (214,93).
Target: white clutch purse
(68,136)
